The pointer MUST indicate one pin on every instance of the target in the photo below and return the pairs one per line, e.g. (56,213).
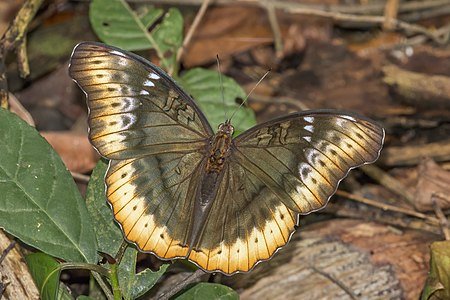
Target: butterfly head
(226,128)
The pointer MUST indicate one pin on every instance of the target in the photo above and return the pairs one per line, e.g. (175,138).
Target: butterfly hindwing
(247,224)
(152,197)
(134,108)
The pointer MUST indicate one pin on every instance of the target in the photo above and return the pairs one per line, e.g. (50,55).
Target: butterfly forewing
(134,108)
(303,157)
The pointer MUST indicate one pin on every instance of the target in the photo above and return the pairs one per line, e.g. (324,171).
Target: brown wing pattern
(277,170)
(247,223)
(303,157)
(134,109)
(152,197)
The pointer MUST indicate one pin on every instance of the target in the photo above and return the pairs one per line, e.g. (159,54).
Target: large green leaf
(209,291)
(135,285)
(109,235)
(204,86)
(40,203)
(438,282)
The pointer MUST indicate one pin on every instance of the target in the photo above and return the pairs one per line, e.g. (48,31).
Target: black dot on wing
(314,181)
(115,104)
(123,175)
(219,252)
(111,89)
(134,207)
(256,240)
(237,251)
(281,216)
(146,225)
(99,75)
(97,62)
(112,123)
(161,236)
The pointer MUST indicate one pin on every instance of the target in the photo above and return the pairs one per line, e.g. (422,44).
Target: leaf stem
(115,282)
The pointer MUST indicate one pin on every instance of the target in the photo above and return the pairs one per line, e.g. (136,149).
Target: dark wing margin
(134,108)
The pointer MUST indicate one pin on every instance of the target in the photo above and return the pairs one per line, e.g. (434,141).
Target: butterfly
(179,190)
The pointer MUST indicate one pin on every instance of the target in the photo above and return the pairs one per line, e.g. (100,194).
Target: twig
(336,281)
(12,39)
(195,23)
(182,284)
(390,12)
(388,207)
(271,13)
(388,182)
(7,250)
(80,177)
(441,217)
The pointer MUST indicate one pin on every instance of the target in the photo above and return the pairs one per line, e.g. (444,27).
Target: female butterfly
(179,190)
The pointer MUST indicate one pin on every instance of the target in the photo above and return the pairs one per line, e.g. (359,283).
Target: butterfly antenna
(248,95)
(221,86)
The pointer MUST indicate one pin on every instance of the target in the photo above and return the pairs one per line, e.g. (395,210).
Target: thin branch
(7,250)
(388,207)
(12,39)
(195,23)
(336,281)
(388,182)
(182,284)
(441,217)
(271,13)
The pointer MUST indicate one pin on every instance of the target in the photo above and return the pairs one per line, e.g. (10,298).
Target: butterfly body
(180,191)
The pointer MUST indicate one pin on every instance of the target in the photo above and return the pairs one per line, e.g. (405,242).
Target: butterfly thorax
(219,148)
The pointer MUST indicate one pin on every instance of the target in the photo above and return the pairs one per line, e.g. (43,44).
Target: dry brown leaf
(432,181)
(74,149)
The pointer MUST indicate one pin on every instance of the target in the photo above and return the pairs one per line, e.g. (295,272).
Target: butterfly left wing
(155,137)
(277,170)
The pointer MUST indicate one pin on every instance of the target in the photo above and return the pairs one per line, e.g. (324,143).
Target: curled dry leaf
(433,181)
(74,149)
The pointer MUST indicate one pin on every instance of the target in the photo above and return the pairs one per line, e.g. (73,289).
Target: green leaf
(149,15)
(169,37)
(209,291)
(438,282)
(135,285)
(204,86)
(40,203)
(44,270)
(109,236)
(117,24)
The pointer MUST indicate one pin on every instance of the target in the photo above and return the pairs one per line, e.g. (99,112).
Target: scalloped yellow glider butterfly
(179,190)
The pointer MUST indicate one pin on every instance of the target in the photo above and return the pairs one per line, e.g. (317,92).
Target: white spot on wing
(153,76)
(148,83)
(309,119)
(144,92)
(348,118)
(307,138)
(115,52)
(309,128)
